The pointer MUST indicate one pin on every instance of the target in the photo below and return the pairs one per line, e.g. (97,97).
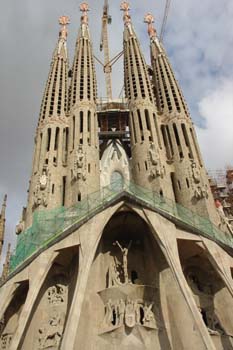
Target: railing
(49,224)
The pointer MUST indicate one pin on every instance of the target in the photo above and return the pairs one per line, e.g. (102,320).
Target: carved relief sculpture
(79,165)
(154,161)
(42,189)
(50,333)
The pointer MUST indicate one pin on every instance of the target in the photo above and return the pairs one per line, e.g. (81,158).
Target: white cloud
(216,140)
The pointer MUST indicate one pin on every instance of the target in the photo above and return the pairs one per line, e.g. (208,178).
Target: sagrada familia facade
(121,245)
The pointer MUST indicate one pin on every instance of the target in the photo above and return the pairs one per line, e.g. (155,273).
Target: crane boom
(166,11)
(104,45)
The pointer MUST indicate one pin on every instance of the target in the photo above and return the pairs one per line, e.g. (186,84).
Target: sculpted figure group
(129,312)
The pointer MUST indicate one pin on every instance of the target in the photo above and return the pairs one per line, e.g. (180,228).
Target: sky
(199,43)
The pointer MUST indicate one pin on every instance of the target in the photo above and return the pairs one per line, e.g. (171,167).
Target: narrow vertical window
(63,190)
(186,138)
(81,121)
(48,139)
(89,121)
(56,139)
(73,132)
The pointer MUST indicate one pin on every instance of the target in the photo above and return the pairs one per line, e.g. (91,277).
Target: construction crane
(163,27)
(104,46)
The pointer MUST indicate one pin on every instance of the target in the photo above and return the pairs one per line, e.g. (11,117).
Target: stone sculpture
(130,313)
(125,260)
(154,161)
(42,189)
(79,165)
(56,294)
(50,333)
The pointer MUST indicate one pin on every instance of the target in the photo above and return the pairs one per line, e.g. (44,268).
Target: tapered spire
(56,92)
(83,167)
(169,96)
(149,168)
(2,223)
(6,265)
(46,189)
(83,84)
(187,171)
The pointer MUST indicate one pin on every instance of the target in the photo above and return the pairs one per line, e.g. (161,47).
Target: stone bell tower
(48,181)
(2,224)
(148,155)
(83,168)
(187,172)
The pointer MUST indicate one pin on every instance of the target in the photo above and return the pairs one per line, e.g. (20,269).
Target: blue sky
(198,39)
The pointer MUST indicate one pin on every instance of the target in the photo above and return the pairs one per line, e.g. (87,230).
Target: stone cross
(125,8)
(84,8)
(64,21)
(149,19)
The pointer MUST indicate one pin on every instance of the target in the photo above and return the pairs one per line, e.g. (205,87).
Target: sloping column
(165,234)
(39,273)
(89,240)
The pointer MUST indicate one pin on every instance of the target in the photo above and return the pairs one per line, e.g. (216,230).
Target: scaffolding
(48,225)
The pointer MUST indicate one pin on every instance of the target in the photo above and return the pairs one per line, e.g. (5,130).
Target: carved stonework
(42,189)
(195,172)
(79,167)
(50,330)
(127,303)
(20,227)
(156,168)
(8,331)
(201,192)
(56,294)
(130,313)
(50,333)
(6,341)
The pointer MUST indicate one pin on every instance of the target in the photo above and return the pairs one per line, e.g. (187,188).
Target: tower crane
(163,27)
(104,46)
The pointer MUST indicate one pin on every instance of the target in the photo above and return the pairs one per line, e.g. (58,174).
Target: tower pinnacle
(64,21)
(2,223)
(149,19)
(84,8)
(125,8)
(47,185)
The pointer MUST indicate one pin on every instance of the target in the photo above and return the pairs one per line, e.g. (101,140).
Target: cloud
(216,139)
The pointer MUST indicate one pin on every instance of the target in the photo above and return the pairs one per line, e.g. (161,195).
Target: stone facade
(126,275)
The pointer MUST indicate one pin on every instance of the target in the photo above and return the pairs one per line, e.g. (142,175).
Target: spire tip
(64,21)
(149,19)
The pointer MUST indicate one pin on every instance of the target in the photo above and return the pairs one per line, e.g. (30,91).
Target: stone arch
(10,319)
(210,293)
(128,284)
(46,324)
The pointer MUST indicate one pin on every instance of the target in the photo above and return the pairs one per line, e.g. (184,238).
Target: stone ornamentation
(64,21)
(154,160)
(56,294)
(201,192)
(6,341)
(195,172)
(124,260)
(42,189)
(50,334)
(130,313)
(79,165)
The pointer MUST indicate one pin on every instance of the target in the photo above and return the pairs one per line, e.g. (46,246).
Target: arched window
(117,181)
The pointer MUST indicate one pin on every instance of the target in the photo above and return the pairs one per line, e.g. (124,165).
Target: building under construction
(121,245)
